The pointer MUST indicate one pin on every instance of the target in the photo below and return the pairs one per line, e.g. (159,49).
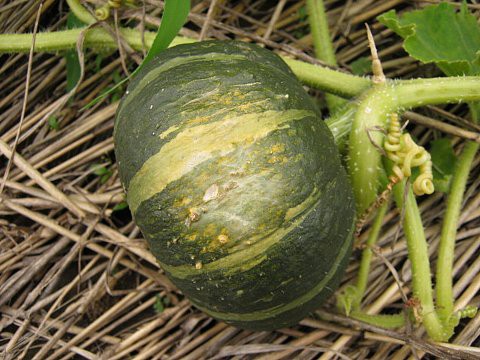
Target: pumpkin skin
(235,182)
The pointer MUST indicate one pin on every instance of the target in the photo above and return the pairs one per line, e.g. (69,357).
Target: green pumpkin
(235,182)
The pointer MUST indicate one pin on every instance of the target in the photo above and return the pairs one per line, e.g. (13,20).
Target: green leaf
(361,66)
(159,306)
(53,123)
(174,16)
(120,206)
(98,169)
(104,178)
(443,159)
(101,171)
(441,35)
(71,57)
(443,156)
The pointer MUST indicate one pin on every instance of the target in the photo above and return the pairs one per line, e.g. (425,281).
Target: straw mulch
(76,278)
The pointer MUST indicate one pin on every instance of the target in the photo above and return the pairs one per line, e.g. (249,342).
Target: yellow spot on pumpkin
(244,107)
(182,202)
(277,148)
(298,157)
(199,120)
(238,94)
(222,239)
(249,140)
(191,237)
(278,159)
(210,230)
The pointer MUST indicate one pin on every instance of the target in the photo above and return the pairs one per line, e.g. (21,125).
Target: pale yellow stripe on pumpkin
(246,258)
(307,203)
(277,310)
(170,64)
(197,144)
(290,214)
(170,130)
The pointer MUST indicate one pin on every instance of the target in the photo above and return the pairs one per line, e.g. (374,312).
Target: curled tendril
(468,312)
(454,319)
(423,184)
(114,3)
(103,12)
(392,143)
(406,154)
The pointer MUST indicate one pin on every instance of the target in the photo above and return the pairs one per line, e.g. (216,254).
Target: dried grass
(76,278)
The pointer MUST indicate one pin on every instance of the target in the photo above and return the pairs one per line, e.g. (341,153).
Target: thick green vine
(373,109)
(336,82)
(317,18)
(418,255)
(444,287)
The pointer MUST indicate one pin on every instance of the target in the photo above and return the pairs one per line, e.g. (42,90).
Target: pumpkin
(235,182)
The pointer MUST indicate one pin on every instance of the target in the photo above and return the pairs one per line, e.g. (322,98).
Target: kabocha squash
(235,182)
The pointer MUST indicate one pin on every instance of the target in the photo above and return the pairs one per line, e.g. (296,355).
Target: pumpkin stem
(377,69)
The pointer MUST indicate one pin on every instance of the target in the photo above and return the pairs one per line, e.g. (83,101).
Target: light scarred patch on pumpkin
(211,193)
